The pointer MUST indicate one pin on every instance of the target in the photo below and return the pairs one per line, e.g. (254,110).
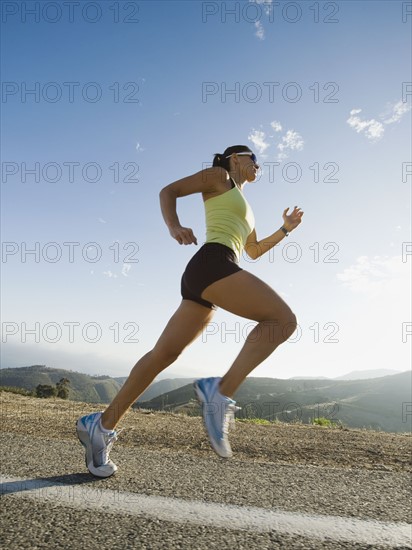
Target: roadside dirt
(275,443)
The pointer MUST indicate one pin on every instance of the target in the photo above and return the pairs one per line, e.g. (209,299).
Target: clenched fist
(183,235)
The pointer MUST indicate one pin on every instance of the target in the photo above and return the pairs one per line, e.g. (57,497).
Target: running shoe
(218,412)
(97,443)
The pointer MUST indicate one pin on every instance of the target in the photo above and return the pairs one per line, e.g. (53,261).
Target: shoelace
(109,439)
(230,417)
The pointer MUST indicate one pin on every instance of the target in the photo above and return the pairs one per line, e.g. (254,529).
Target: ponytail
(220,160)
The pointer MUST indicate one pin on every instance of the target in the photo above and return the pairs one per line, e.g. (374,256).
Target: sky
(105,103)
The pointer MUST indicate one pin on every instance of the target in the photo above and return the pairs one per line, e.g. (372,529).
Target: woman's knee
(290,324)
(283,324)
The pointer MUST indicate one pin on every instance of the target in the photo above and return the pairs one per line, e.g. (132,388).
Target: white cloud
(291,140)
(377,275)
(276,126)
(101,220)
(110,274)
(397,112)
(373,129)
(125,269)
(257,137)
(260,31)
(139,148)
(281,156)
(265,7)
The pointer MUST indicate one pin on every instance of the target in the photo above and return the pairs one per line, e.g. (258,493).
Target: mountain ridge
(376,403)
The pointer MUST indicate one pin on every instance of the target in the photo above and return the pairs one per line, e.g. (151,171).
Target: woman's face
(248,166)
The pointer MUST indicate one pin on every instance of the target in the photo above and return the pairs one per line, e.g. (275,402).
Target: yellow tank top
(229,220)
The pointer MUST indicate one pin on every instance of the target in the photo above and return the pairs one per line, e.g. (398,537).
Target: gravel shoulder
(275,443)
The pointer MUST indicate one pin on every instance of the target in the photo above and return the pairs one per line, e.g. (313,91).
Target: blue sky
(121,109)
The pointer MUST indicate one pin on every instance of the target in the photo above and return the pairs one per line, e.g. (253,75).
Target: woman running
(212,279)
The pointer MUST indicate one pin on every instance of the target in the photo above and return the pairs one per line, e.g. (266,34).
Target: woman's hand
(292,220)
(183,235)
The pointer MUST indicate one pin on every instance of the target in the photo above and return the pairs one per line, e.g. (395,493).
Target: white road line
(216,515)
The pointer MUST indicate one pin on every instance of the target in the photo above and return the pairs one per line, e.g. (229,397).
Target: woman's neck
(236,179)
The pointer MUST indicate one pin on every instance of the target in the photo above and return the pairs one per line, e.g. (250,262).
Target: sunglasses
(251,155)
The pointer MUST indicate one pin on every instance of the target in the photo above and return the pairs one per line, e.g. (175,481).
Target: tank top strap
(232,182)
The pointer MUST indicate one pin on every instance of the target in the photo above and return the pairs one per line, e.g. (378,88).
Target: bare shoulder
(210,181)
(219,179)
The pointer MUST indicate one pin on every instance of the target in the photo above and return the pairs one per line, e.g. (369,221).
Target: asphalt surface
(349,493)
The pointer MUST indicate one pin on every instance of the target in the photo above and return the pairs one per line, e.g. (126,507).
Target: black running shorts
(213,261)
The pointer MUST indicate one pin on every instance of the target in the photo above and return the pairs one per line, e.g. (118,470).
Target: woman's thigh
(248,296)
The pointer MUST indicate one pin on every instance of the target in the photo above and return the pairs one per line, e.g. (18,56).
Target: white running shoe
(218,413)
(97,444)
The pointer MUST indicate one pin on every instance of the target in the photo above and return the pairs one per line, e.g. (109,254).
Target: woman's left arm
(254,248)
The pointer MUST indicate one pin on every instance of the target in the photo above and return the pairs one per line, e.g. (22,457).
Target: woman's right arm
(183,235)
(204,181)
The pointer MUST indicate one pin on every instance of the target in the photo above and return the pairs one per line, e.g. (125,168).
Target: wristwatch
(285,231)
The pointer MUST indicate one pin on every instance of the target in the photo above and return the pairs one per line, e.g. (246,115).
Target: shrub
(322,421)
(44,390)
(62,389)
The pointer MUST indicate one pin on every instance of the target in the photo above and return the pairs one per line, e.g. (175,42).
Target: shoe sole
(201,397)
(84,439)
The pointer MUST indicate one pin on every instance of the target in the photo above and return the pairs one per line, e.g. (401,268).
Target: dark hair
(220,158)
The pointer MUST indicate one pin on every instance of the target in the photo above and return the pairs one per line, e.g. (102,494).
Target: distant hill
(365,374)
(164,386)
(91,389)
(83,387)
(310,378)
(353,375)
(377,403)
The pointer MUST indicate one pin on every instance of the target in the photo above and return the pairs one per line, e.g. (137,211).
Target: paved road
(70,508)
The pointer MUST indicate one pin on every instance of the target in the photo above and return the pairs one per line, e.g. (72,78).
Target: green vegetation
(19,391)
(61,389)
(325,422)
(89,389)
(45,391)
